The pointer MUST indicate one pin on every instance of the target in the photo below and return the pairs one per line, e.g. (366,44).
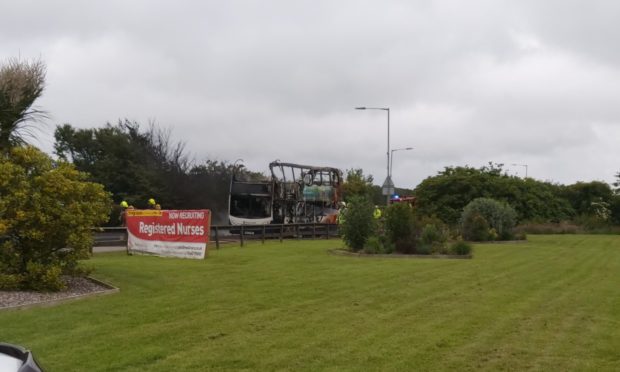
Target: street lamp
(392,157)
(388,180)
(522,165)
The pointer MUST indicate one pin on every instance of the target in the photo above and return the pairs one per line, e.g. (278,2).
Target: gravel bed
(75,287)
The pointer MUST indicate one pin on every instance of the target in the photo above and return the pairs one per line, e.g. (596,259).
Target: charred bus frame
(295,193)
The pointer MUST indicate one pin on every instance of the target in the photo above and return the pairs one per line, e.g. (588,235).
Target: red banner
(174,233)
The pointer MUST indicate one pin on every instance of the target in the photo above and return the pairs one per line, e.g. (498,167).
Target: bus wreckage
(294,194)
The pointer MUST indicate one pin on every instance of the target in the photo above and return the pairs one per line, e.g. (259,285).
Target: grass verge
(550,304)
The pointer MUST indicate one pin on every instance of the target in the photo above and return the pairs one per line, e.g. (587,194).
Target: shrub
(548,228)
(424,249)
(399,227)
(461,248)
(475,227)
(500,217)
(358,224)
(520,236)
(432,240)
(591,222)
(387,246)
(45,207)
(421,221)
(41,277)
(10,282)
(378,245)
(373,245)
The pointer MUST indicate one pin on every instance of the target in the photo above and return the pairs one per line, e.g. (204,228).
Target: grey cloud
(467,82)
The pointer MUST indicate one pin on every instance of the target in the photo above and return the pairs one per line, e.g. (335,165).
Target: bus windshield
(249,206)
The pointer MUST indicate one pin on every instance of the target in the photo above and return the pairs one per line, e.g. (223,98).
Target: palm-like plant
(21,83)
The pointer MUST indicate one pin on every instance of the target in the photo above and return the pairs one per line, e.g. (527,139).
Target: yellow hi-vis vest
(340,218)
(377,213)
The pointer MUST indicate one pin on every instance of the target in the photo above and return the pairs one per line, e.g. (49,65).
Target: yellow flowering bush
(47,209)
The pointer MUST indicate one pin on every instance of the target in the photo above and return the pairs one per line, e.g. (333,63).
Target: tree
(357,184)
(47,209)
(586,197)
(135,165)
(21,84)
(125,160)
(616,184)
(446,194)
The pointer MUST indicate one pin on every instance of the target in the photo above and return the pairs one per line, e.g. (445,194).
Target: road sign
(388,186)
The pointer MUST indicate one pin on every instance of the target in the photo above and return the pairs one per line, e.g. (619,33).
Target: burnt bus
(295,194)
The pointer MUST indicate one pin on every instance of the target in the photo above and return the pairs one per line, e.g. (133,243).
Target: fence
(117,236)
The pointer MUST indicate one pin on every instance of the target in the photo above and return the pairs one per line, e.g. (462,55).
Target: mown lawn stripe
(550,304)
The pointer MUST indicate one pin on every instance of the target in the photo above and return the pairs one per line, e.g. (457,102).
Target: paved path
(104,249)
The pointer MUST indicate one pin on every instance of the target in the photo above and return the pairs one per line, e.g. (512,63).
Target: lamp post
(388,179)
(522,165)
(392,156)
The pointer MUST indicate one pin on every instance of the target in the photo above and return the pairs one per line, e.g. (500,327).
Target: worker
(377,213)
(122,217)
(341,212)
(152,203)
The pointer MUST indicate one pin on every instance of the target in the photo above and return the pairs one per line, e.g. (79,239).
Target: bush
(592,222)
(387,246)
(520,236)
(373,245)
(10,282)
(378,245)
(424,249)
(432,240)
(461,248)
(548,228)
(475,228)
(498,216)
(447,193)
(358,224)
(399,227)
(41,277)
(45,207)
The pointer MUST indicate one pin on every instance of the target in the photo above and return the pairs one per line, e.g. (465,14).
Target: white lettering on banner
(186,215)
(177,233)
(154,228)
(190,230)
(178,229)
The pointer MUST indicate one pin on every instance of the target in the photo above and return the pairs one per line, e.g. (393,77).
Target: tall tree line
(447,193)
(136,164)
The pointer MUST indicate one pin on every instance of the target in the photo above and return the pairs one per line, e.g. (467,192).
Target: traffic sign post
(388,188)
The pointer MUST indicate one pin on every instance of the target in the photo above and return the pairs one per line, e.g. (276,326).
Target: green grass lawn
(550,304)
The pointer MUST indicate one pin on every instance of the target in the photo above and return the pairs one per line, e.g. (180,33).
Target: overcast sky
(467,82)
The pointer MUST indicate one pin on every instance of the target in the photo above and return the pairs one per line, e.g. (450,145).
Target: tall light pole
(522,165)
(392,157)
(388,181)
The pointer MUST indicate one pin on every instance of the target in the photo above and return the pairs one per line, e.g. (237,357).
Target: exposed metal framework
(304,193)
(295,193)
